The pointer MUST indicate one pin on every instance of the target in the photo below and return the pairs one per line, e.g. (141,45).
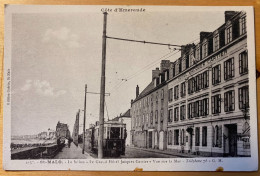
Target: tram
(113,141)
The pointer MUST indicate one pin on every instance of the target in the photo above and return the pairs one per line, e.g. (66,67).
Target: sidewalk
(168,152)
(73,152)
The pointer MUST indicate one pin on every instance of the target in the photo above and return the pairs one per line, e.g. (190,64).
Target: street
(140,153)
(133,152)
(73,152)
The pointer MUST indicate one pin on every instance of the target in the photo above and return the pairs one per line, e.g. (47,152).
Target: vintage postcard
(115,88)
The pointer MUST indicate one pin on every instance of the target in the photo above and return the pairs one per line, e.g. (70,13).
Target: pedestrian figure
(70,140)
(66,142)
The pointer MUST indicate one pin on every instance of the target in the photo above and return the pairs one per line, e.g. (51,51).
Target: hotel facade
(208,99)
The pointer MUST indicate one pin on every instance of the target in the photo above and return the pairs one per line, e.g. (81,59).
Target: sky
(56,50)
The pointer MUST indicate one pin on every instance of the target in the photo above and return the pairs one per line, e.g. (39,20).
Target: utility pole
(84,123)
(102,91)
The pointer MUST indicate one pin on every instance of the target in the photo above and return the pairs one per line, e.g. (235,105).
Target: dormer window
(228,34)
(173,70)
(187,59)
(198,54)
(216,42)
(191,59)
(243,25)
(205,50)
(166,75)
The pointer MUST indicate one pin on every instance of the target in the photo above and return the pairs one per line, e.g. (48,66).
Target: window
(180,65)
(162,94)
(190,115)
(204,136)
(243,63)
(161,118)
(198,54)
(173,70)
(170,138)
(243,97)
(229,69)
(156,116)
(204,107)
(182,112)
(190,86)
(170,115)
(176,137)
(197,83)
(216,42)
(229,101)
(176,114)
(216,104)
(243,25)
(187,61)
(192,58)
(196,109)
(205,79)
(205,50)
(229,34)
(151,118)
(197,136)
(183,89)
(176,92)
(170,95)
(216,74)
(182,137)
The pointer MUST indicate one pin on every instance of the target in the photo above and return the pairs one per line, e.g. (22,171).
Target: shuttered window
(229,69)
(243,63)
(176,114)
(229,101)
(243,95)
(216,104)
(216,74)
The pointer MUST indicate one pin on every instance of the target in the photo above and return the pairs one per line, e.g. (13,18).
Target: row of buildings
(199,104)
(47,135)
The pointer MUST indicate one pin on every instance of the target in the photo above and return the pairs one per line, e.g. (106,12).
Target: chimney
(203,35)
(186,48)
(155,73)
(137,91)
(165,64)
(229,15)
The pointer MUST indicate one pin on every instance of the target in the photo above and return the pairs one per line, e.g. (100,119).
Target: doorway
(231,140)
(150,139)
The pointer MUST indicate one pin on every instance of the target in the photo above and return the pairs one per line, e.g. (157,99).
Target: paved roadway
(73,152)
(140,153)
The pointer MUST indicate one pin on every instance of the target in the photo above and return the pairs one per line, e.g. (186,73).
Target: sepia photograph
(115,87)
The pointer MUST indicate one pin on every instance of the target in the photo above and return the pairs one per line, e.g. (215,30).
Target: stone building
(62,131)
(75,133)
(208,102)
(149,111)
